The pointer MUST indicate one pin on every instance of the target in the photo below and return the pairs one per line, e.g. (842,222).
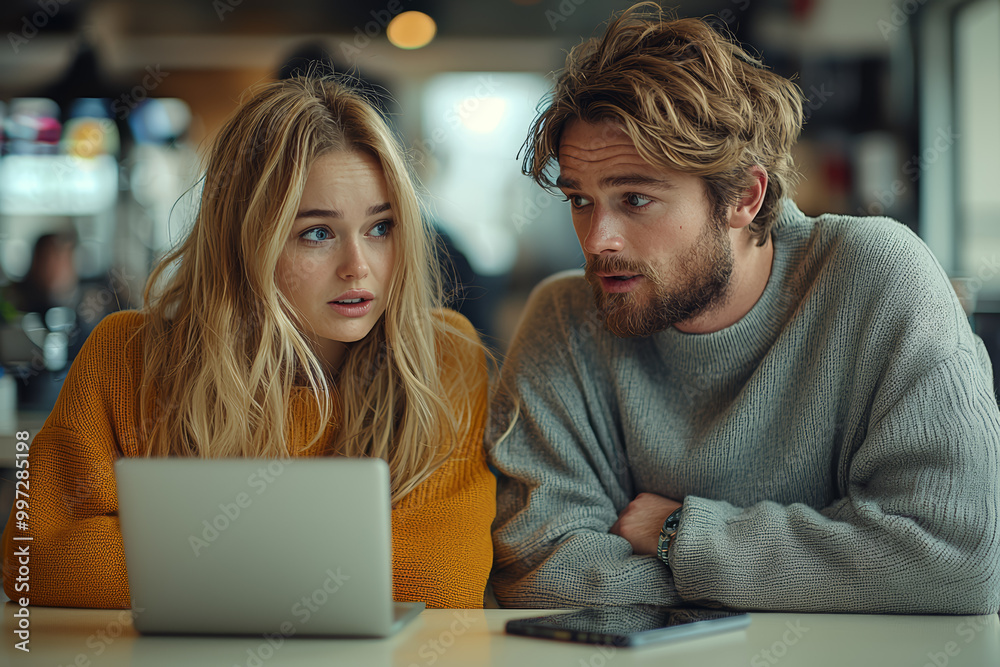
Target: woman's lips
(352,309)
(352,303)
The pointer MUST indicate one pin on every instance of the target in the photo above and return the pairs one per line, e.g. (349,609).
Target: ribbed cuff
(699,545)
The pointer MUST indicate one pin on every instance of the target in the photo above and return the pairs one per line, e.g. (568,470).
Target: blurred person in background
(52,279)
(57,301)
(734,404)
(299,318)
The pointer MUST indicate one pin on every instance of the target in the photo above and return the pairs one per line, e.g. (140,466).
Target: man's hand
(642,520)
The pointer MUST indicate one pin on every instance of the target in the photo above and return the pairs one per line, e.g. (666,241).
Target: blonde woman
(299,318)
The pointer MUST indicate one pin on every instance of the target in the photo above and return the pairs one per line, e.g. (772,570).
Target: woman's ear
(749,205)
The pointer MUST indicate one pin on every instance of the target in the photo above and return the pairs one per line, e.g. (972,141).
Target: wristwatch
(667,534)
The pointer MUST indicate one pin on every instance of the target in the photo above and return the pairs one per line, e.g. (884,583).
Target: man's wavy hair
(690,100)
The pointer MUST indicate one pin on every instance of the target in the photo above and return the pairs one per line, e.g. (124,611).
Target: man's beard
(698,282)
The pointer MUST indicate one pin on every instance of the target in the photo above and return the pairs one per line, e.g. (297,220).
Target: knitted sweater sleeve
(442,552)
(562,479)
(916,528)
(76,557)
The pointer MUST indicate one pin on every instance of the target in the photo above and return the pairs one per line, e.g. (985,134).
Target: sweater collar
(744,342)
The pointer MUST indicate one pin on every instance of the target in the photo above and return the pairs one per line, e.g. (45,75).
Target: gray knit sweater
(836,449)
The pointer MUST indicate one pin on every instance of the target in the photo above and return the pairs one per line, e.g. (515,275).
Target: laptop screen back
(249,546)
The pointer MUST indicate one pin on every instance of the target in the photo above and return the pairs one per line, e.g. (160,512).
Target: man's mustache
(616,266)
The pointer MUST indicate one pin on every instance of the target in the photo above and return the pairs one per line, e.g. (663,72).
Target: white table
(444,637)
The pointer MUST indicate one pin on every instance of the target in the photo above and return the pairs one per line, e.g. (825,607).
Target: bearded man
(735,404)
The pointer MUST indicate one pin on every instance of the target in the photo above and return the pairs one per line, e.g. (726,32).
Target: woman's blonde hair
(222,351)
(688,98)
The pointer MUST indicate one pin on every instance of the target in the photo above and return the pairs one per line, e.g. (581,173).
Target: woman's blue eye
(381,228)
(316,234)
(636,201)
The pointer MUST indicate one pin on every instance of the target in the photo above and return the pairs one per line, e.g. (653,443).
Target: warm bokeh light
(411,30)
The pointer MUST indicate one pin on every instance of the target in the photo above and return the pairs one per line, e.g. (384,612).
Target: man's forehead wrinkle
(571,161)
(626,154)
(599,145)
(584,151)
(614,148)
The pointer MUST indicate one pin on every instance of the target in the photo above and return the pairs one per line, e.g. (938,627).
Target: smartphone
(629,625)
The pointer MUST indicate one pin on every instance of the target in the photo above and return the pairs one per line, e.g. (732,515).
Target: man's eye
(636,201)
(577,201)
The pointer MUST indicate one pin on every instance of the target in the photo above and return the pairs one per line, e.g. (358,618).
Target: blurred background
(109,105)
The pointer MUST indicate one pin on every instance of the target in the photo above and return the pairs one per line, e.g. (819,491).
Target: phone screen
(629,625)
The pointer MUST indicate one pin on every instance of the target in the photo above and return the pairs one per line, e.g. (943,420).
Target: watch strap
(667,533)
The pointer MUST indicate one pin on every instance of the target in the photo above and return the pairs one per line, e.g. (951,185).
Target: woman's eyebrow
(374,209)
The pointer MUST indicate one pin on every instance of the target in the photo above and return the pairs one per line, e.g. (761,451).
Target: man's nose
(603,234)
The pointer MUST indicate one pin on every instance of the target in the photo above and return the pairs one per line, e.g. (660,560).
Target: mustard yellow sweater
(442,551)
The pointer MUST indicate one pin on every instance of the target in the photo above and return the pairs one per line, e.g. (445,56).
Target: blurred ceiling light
(411,30)
(482,115)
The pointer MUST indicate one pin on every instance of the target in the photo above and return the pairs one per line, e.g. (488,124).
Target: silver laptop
(252,546)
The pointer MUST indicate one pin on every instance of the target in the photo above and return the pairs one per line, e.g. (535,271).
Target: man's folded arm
(562,481)
(917,530)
